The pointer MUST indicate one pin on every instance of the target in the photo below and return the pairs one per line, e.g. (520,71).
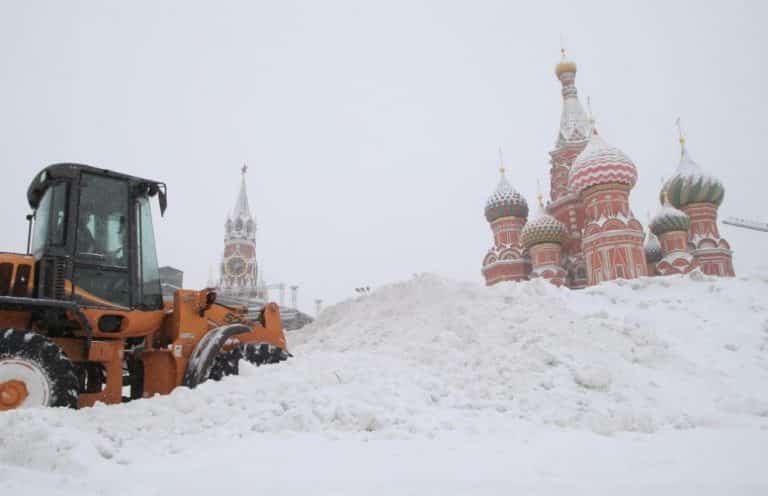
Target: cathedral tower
(239,269)
(653,253)
(565,205)
(612,239)
(506,210)
(574,131)
(671,226)
(543,237)
(699,195)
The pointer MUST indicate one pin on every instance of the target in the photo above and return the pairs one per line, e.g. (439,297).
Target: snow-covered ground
(432,386)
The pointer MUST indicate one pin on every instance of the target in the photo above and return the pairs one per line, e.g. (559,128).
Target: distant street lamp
(295,296)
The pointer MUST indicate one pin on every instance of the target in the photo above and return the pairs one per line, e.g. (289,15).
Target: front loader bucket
(202,358)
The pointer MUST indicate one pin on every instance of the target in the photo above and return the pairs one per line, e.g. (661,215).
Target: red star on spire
(244,169)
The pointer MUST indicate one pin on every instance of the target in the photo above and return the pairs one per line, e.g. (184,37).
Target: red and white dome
(600,163)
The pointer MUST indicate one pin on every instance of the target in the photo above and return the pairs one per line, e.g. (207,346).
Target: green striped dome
(691,184)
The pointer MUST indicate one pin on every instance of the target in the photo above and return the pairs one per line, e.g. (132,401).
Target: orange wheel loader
(82,316)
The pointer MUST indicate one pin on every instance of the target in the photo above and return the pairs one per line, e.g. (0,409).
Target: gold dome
(565,66)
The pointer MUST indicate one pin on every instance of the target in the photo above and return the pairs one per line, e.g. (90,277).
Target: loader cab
(92,238)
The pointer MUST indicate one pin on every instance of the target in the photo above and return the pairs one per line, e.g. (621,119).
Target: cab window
(102,227)
(50,218)
(102,256)
(151,295)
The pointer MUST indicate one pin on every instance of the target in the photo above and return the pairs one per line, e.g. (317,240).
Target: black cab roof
(72,170)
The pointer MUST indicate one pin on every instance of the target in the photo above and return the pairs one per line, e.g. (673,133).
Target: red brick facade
(505,261)
(713,254)
(546,261)
(613,238)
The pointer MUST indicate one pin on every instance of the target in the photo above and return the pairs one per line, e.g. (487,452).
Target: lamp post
(295,296)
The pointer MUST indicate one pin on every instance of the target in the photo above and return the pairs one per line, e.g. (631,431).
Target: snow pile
(434,358)
(626,356)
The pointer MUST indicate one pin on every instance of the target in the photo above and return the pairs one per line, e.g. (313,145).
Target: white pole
(294,297)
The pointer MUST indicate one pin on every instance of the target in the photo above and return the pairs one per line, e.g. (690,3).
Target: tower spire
(562,46)
(242,208)
(539,196)
(502,169)
(680,136)
(574,125)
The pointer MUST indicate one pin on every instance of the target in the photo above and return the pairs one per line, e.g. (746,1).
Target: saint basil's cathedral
(587,232)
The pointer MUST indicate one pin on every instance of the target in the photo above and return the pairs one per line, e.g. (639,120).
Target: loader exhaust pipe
(29,232)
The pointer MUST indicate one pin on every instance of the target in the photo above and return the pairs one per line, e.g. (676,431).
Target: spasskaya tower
(239,269)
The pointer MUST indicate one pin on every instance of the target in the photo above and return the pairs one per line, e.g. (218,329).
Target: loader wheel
(34,372)
(226,363)
(261,354)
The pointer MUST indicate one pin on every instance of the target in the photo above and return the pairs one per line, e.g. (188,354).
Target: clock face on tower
(235,266)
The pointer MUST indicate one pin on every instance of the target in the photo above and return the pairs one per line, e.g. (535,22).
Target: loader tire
(34,371)
(226,363)
(262,354)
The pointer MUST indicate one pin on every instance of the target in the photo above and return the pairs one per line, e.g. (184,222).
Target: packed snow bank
(434,358)
(637,355)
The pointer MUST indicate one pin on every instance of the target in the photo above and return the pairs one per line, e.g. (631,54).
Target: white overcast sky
(371,128)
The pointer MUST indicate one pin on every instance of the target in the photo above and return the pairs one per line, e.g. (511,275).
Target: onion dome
(600,163)
(543,229)
(505,201)
(691,184)
(564,66)
(669,219)
(652,248)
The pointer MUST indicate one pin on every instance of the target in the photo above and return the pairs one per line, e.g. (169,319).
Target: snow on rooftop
(504,192)
(692,171)
(574,122)
(620,216)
